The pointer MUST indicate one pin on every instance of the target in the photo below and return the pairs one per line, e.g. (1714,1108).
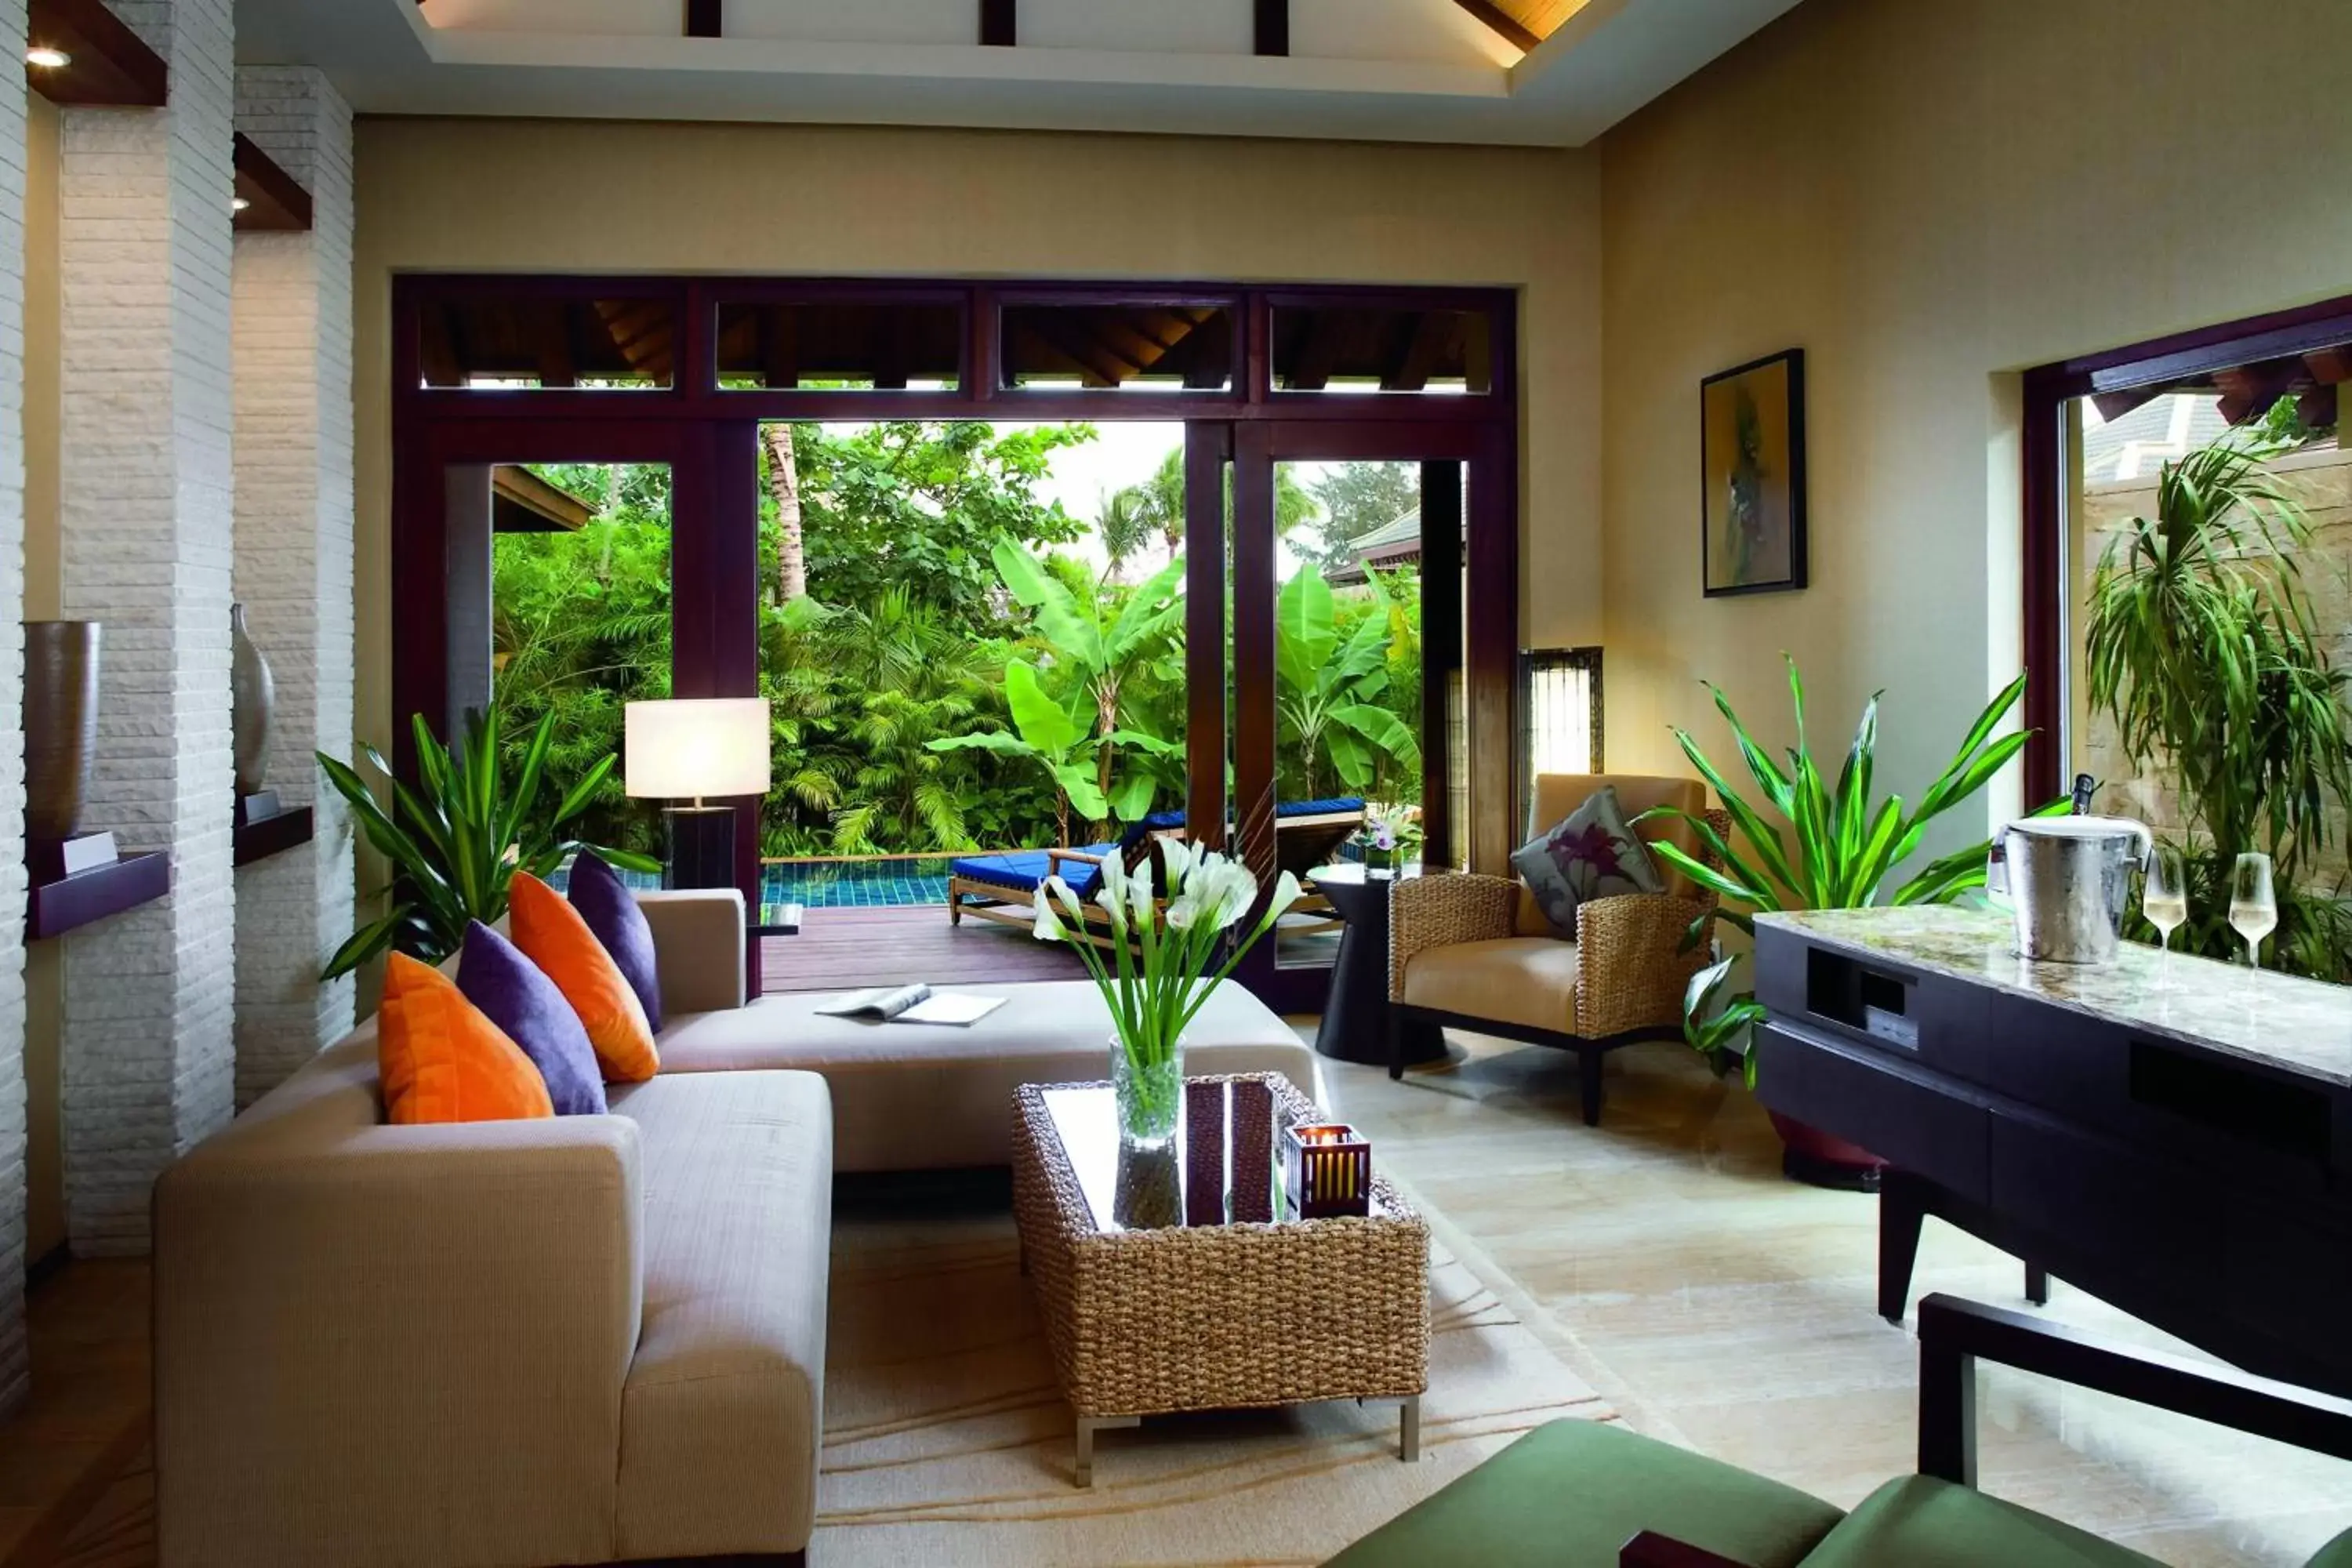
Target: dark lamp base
(702,847)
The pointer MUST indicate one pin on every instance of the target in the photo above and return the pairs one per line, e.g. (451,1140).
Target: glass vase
(1149,1087)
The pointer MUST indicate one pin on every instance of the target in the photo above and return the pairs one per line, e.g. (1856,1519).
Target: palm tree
(1125,525)
(1158,501)
(784,488)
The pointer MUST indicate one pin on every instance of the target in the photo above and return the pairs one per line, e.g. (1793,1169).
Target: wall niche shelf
(69,903)
(260,837)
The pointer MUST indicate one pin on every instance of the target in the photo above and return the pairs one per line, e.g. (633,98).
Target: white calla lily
(1157,951)
(1048,925)
(1285,893)
(1110,893)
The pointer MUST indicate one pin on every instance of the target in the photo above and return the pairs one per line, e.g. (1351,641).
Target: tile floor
(1730,1309)
(1714,1302)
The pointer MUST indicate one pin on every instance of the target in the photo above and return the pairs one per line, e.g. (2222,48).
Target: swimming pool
(839,884)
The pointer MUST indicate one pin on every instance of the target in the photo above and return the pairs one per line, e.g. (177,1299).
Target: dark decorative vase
(60,724)
(253,697)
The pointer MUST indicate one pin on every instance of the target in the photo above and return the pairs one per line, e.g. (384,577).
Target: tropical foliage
(456,841)
(1328,691)
(1841,844)
(957,674)
(2203,651)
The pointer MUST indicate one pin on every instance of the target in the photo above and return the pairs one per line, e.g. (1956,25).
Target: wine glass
(2254,906)
(2164,899)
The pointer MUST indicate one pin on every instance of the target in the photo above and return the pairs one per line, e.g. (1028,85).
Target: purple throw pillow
(613,916)
(511,991)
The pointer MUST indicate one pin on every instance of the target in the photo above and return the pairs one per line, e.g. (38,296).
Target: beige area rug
(946,1442)
(946,1447)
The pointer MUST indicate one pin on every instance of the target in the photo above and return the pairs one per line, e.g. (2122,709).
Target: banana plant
(1095,644)
(1326,690)
(456,841)
(1047,733)
(1841,844)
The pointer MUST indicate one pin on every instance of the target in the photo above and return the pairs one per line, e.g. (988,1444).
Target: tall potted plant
(2203,651)
(1166,943)
(1841,844)
(456,841)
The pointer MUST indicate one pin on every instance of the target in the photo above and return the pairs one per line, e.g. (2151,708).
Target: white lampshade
(689,749)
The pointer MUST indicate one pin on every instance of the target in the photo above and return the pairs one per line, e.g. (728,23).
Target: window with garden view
(972,636)
(2208,604)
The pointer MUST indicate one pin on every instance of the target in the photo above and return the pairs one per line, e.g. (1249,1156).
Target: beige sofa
(581,1340)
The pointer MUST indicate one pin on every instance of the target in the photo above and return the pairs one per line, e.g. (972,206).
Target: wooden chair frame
(1955,1334)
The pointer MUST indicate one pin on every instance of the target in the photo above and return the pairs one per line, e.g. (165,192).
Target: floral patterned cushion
(1592,855)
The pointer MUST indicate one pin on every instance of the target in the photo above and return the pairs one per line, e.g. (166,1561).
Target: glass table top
(1223,1166)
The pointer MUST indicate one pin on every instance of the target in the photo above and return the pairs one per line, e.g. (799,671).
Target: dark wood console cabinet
(2182,1150)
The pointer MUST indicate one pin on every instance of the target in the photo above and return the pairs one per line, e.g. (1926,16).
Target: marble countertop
(2304,1027)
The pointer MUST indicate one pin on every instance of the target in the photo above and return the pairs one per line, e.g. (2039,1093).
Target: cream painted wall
(44,961)
(535,195)
(1928,198)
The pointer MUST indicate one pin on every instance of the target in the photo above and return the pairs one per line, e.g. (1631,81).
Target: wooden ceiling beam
(554,342)
(1317,355)
(1273,26)
(274,200)
(1424,350)
(1501,23)
(999,24)
(107,63)
(2330,367)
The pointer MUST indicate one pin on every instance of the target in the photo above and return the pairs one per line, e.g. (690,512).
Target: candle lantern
(1327,1170)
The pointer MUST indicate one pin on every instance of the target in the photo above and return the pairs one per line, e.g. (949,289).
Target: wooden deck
(847,950)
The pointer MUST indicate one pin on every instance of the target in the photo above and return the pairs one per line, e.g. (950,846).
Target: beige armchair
(1476,951)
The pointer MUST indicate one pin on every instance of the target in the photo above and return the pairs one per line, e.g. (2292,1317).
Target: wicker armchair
(1475,952)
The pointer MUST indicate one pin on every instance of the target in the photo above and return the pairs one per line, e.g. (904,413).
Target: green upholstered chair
(1575,1494)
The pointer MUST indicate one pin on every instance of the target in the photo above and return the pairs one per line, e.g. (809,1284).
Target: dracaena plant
(454,842)
(1806,844)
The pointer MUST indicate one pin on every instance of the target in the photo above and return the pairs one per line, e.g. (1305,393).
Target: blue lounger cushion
(1019,871)
(1163,821)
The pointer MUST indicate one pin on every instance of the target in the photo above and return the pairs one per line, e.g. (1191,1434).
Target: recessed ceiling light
(238,203)
(48,59)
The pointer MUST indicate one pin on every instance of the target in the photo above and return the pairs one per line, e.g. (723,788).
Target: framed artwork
(1752,463)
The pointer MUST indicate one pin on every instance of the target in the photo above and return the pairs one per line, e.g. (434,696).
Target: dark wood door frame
(709,437)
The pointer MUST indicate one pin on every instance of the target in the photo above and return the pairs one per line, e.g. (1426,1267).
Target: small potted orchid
(1378,841)
(1169,949)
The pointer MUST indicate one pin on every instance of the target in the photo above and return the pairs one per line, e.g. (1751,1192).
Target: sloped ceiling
(1541,17)
(1395,70)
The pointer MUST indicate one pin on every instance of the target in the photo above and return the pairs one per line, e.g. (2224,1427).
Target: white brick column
(145,480)
(13,1382)
(292,327)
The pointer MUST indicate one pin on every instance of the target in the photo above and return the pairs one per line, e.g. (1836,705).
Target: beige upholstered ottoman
(921,1097)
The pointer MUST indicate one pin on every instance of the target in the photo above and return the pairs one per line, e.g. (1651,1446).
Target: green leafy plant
(1327,690)
(456,841)
(1094,640)
(1840,846)
(2203,651)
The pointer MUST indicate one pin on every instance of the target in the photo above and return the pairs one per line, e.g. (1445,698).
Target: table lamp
(688,750)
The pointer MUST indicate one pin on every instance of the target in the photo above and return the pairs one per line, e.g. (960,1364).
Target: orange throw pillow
(442,1061)
(553,935)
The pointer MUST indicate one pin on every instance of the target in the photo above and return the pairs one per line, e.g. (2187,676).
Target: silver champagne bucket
(2070,882)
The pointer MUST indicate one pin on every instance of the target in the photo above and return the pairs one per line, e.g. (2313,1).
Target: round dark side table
(1355,1020)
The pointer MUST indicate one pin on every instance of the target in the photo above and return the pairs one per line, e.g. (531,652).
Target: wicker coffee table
(1170,1280)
